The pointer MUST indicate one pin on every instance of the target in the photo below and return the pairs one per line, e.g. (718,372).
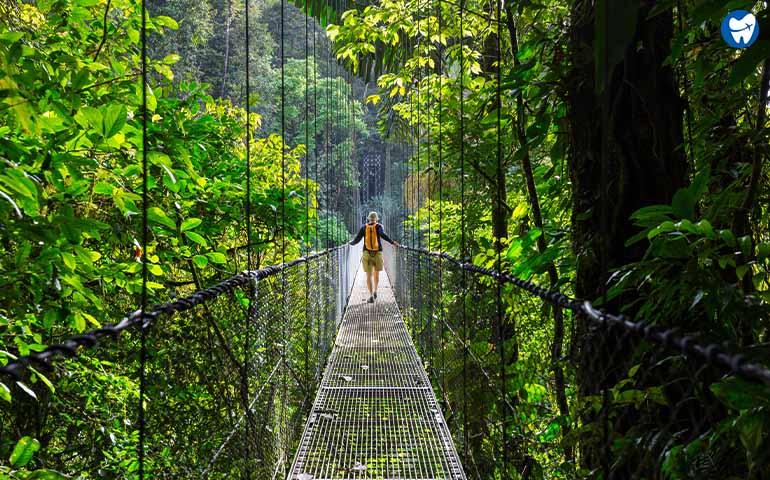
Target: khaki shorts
(371,260)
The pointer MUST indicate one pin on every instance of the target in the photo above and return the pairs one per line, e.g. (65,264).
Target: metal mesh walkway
(375,416)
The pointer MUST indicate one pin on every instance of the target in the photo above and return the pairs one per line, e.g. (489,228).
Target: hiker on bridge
(371,259)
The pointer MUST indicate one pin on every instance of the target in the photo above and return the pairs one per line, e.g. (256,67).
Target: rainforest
(577,194)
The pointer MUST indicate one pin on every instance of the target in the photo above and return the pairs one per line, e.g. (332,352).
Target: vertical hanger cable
(143,253)
(249,256)
(418,133)
(439,67)
(316,161)
(499,246)
(327,145)
(463,247)
(306,240)
(284,317)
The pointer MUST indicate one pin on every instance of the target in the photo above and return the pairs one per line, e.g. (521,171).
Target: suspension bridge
(375,414)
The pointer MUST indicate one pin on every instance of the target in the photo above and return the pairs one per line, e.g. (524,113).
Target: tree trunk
(644,165)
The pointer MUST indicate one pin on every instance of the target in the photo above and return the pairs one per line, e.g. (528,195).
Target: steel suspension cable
(604,221)
(143,252)
(335,119)
(430,203)
(306,240)
(333,124)
(418,139)
(412,189)
(439,67)
(247,203)
(667,338)
(284,317)
(414,153)
(327,174)
(327,145)
(463,246)
(249,257)
(348,109)
(417,222)
(71,346)
(339,162)
(316,161)
(499,246)
(410,145)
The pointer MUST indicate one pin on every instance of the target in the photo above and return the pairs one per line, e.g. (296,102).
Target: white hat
(373,216)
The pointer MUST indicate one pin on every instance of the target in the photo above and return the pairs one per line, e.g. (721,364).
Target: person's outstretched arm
(385,237)
(358,237)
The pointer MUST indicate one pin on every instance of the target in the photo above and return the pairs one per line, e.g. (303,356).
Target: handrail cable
(306,240)
(143,250)
(440,72)
(285,329)
(249,247)
(429,203)
(668,338)
(499,244)
(72,345)
(463,246)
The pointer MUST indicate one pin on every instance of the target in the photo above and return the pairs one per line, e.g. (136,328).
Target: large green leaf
(217,257)
(749,62)
(741,394)
(684,203)
(155,214)
(45,474)
(190,223)
(24,451)
(5,392)
(114,119)
(197,238)
(200,261)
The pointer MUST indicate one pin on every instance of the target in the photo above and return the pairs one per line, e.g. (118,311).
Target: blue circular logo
(740,29)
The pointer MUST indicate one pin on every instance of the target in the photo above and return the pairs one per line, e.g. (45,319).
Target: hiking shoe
(371,300)
(375,295)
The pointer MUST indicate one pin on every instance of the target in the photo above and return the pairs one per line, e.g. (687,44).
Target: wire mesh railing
(230,374)
(641,402)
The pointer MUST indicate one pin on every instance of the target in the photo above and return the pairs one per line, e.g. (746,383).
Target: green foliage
(698,263)
(70,150)
(23,451)
(331,230)
(22,454)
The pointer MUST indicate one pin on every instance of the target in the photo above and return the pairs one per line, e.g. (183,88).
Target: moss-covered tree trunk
(644,165)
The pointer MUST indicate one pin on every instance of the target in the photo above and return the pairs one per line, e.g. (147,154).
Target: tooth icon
(742,30)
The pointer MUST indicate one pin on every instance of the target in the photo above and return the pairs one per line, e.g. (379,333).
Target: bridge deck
(375,416)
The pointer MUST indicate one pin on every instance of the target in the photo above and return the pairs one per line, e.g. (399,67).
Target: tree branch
(104,30)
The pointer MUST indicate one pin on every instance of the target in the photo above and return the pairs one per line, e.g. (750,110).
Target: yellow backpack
(371,242)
